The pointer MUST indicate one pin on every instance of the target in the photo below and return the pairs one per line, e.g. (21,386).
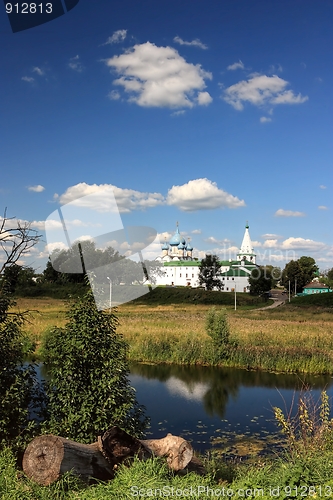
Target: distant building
(315,287)
(181,269)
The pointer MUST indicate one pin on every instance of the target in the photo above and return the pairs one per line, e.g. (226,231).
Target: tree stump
(48,457)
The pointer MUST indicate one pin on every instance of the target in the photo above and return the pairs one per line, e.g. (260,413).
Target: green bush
(20,392)
(218,329)
(87,363)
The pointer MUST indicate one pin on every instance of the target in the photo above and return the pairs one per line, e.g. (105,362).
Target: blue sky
(208,113)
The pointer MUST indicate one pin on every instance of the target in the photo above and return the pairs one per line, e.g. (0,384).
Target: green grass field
(168,325)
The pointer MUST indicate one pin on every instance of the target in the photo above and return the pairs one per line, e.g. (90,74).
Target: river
(223,409)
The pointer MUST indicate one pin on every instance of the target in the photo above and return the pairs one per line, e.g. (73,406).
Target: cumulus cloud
(302,244)
(194,43)
(36,189)
(261,90)
(322,186)
(265,119)
(127,199)
(201,194)
(196,231)
(236,65)
(159,77)
(28,79)
(117,37)
(204,98)
(322,207)
(75,64)
(288,213)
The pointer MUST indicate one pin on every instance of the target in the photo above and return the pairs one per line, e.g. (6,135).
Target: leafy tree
(261,280)
(209,273)
(299,272)
(327,277)
(309,268)
(18,383)
(89,390)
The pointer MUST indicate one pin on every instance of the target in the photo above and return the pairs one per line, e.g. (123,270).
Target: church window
(180,275)
(192,275)
(186,275)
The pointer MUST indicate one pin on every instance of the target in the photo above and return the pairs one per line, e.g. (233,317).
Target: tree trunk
(48,457)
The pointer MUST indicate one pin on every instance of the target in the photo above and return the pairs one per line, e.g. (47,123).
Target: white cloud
(201,194)
(302,244)
(117,37)
(39,71)
(196,231)
(75,64)
(261,90)
(288,213)
(288,97)
(204,98)
(194,43)
(114,95)
(159,77)
(322,207)
(265,119)
(127,199)
(178,113)
(36,189)
(236,65)
(322,186)
(28,79)
(270,236)
(270,243)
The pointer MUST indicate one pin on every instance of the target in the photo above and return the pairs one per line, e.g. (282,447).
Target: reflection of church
(181,269)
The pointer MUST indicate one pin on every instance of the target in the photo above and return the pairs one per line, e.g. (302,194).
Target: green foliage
(301,272)
(261,280)
(310,430)
(218,329)
(209,272)
(19,390)
(87,362)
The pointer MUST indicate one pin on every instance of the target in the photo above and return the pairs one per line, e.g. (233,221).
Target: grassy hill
(184,295)
(317,300)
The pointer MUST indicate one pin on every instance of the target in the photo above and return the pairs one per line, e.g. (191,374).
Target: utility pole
(110,297)
(235,298)
(289,290)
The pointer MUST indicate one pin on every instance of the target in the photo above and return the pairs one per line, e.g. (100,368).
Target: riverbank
(295,337)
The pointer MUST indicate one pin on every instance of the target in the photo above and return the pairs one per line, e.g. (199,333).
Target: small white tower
(247,251)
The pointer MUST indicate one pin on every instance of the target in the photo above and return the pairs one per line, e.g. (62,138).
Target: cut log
(48,457)
(178,451)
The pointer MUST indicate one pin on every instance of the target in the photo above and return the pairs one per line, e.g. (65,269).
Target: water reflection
(225,406)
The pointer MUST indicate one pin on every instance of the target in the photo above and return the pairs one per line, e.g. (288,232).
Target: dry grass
(281,327)
(44,313)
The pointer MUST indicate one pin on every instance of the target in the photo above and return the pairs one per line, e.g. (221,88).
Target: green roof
(236,273)
(182,263)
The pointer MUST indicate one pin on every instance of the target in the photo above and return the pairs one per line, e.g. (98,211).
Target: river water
(223,409)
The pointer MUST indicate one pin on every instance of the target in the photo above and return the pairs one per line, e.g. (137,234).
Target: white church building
(181,269)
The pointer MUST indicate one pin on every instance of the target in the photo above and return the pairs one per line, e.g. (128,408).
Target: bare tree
(16,239)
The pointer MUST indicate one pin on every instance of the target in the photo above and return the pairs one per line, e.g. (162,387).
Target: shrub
(88,389)
(218,329)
